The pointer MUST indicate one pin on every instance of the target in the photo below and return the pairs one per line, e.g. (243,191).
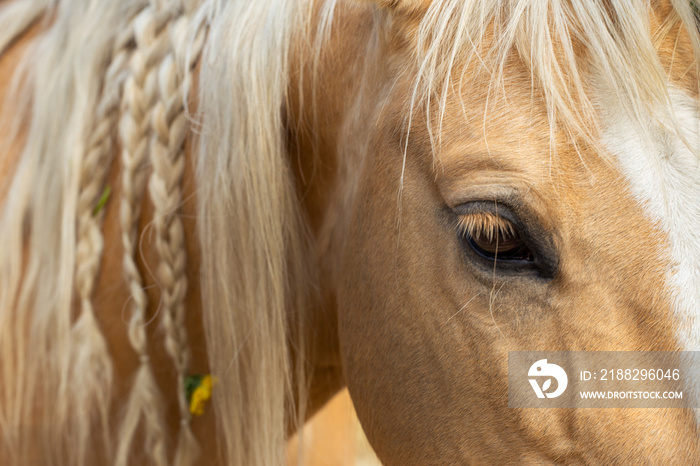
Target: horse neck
(324,91)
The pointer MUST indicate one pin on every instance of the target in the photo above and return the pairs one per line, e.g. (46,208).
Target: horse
(265,202)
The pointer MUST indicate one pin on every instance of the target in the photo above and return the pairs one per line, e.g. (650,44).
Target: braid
(170,128)
(140,97)
(92,370)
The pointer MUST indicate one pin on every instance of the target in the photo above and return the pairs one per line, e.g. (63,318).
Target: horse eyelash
(486,225)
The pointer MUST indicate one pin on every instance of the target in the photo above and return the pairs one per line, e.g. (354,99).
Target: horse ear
(403,6)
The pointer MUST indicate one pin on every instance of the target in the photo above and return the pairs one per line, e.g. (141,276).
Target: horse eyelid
(475,216)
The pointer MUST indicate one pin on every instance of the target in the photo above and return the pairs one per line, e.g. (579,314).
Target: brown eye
(494,238)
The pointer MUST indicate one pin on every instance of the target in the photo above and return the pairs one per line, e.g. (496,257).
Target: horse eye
(502,247)
(494,238)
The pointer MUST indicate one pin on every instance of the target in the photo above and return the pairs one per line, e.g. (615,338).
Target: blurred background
(333,437)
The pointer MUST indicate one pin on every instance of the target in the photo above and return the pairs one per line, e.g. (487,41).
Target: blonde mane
(97,65)
(128,64)
(564,45)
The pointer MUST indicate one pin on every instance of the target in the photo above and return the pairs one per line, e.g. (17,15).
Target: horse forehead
(662,169)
